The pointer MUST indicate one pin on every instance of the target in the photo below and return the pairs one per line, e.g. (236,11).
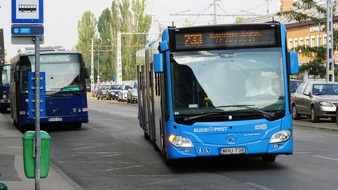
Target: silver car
(315,99)
(122,94)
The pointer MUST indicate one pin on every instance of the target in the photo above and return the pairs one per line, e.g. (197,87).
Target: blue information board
(27,30)
(31,94)
(27,11)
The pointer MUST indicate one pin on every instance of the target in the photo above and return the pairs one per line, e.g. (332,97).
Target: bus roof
(30,50)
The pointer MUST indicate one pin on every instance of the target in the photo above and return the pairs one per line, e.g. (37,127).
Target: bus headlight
(180,141)
(281,136)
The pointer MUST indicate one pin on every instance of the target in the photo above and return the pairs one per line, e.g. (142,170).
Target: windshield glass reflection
(221,81)
(62,72)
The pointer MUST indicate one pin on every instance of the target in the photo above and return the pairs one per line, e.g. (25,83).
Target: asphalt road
(110,152)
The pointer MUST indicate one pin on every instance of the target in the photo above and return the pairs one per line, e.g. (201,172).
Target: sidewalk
(322,124)
(11,164)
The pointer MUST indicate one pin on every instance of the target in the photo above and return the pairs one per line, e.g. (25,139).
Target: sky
(61,16)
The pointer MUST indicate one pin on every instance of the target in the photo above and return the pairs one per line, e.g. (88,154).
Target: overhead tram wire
(215,5)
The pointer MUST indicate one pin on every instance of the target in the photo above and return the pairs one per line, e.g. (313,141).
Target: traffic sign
(27,30)
(27,11)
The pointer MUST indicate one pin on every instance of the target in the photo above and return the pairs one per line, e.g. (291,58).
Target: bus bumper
(60,120)
(261,147)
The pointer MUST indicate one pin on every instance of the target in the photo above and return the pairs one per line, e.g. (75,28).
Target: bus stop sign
(27,11)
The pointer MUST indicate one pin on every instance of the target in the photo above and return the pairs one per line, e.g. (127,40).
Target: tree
(317,55)
(86,28)
(104,46)
(188,23)
(126,16)
(239,19)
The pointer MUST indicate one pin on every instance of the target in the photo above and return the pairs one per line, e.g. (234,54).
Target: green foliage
(86,28)
(126,16)
(239,19)
(316,55)
(188,23)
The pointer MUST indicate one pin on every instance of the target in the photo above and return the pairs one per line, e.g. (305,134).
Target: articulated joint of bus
(179,141)
(280,136)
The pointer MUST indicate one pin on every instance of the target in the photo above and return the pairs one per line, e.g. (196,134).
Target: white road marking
(114,169)
(325,157)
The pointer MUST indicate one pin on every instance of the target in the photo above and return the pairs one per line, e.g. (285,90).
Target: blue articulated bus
(4,88)
(66,99)
(199,94)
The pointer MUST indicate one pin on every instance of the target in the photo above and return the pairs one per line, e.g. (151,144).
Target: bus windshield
(62,72)
(227,80)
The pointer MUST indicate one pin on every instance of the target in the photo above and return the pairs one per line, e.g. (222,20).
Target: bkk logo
(261,127)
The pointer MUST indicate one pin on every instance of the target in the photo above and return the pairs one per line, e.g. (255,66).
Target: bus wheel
(269,158)
(77,125)
(156,147)
(146,136)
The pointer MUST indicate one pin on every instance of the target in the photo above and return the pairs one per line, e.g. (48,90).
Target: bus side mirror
(87,76)
(158,63)
(293,60)
(163,46)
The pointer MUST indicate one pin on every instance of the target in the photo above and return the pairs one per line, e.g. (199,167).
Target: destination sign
(56,58)
(222,38)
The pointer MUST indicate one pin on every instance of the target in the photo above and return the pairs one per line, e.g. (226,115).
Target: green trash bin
(29,154)
(3,186)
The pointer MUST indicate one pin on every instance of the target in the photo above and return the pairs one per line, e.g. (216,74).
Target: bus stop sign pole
(37,113)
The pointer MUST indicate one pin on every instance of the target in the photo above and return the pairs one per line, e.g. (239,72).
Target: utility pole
(119,52)
(329,43)
(267,7)
(92,65)
(215,11)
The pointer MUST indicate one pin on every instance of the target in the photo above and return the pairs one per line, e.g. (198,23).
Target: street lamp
(98,60)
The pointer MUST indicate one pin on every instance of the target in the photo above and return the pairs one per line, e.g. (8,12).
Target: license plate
(53,119)
(236,150)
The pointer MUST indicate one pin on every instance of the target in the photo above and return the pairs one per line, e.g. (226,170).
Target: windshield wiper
(199,116)
(267,115)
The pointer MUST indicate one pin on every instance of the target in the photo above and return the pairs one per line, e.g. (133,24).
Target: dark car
(315,99)
(103,91)
(113,91)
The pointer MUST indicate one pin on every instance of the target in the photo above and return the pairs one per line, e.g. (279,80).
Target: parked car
(122,94)
(103,91)
(294,83)
(132,94)
(113,91)
(315,99)
(95,90)
(88,88)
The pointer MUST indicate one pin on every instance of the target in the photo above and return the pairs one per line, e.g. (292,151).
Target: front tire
(314,117)
(77,125)
(295,114)
(269,158)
